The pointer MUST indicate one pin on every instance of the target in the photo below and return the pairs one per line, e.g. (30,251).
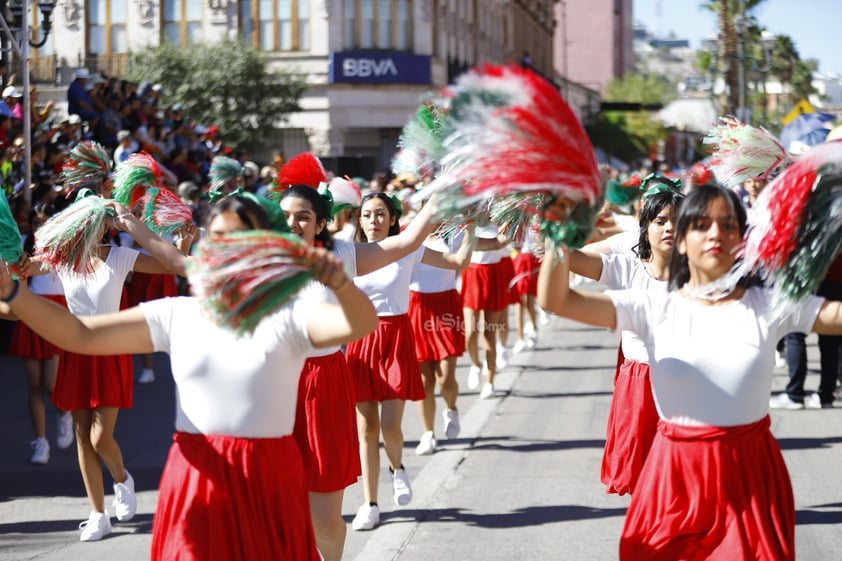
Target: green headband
(661,184)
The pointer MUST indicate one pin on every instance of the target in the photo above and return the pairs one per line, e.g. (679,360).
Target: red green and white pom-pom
(243,277)
(742,152)
(69,241)
(87,165)
(420,142)
(303,169)
(10,246)
(133,177)
(507,131)
(225,174)
(164,212)
(345,193)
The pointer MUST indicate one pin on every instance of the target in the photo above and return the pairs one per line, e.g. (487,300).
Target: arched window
(378,24)
(276,25)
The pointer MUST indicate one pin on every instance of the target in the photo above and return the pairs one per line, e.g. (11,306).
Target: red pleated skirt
(506,271)
(26,343)
(632,424)
(711,493)
(223,498)
(438,324)
(482,288)
(88,382)
(383,363)
(526,274)
(144,287)
(326,424)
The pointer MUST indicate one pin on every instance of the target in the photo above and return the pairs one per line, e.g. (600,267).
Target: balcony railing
(46,69)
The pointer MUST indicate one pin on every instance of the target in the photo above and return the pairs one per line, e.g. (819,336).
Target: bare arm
(556,296)
(454,261)
(124,332)
(352,319)
(373,256)
(165,258)
(829,320)
(585,264)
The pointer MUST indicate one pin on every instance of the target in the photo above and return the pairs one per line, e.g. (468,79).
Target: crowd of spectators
(125,117)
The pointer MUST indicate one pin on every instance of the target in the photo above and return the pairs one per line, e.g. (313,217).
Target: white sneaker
(473,376)
(367,518)
(40,451)
(125,501)
(487,391)
(782,401)
(502,357)
(96,527)
(146,377)
(519,346)
(64,430)
(780,360)
(451,423)
(532,339)
(543,317)
(427,444)
(401,490)
(814,401)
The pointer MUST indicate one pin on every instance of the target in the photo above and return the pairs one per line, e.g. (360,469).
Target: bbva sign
(368,67)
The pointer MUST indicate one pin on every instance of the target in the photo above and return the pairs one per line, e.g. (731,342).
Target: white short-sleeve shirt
(388,287)
(100,292)
(621,271)
(243,386)
(427,279)
(710,365)
(316,292)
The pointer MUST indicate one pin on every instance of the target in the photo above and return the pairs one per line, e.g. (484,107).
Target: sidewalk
(521,481)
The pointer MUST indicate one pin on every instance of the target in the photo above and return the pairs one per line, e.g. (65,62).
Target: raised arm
(585,264)
(454,261)
(165,257)
(123,332)
(354,317)
(556,296)
(373,256)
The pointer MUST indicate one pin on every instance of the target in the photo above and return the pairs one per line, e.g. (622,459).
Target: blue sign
(368,67)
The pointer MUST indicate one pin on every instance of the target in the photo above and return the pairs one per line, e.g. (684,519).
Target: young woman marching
(384,364)
(232,430)
(714,485)
(632,417)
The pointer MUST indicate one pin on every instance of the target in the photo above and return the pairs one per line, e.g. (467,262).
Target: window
(182,22)
(378,24)
(107,27)
(276,25)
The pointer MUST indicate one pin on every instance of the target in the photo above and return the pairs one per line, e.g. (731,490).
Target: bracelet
(15,287)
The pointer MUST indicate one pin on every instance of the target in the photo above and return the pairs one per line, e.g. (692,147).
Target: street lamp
(18,35)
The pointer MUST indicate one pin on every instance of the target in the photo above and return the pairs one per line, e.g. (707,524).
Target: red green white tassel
(742,152)
(87,165)
(69,241)
(243,277)
(303,169)
(133,177)
(225,174)
(164,212)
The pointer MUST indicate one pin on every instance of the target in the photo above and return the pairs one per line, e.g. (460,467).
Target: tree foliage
(225,84)
(630,135)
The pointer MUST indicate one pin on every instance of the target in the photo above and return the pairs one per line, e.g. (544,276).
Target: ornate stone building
(368,62)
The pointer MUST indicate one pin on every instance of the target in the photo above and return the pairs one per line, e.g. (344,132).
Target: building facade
(368,63)
(593,43)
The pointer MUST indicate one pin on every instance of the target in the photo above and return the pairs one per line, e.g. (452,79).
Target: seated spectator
(126,146)
(79,101)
